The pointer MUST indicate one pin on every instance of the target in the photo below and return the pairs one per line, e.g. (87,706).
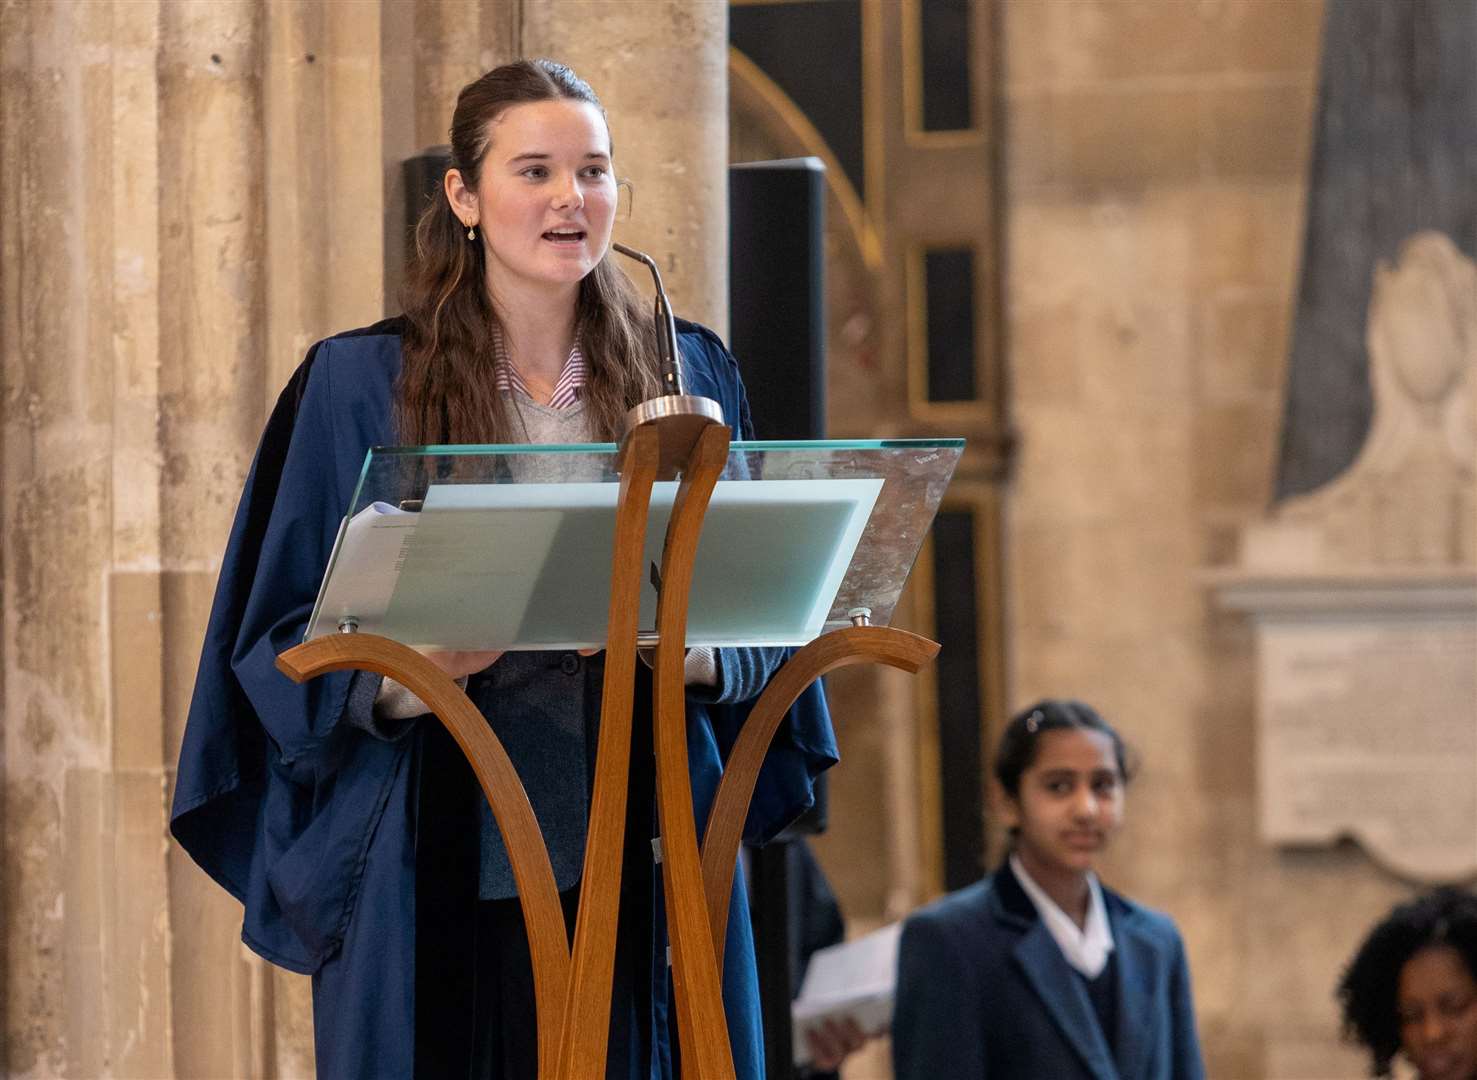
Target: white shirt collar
(1086,949)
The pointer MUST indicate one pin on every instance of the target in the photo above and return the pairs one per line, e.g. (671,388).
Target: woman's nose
(569,196)
(1433,1027)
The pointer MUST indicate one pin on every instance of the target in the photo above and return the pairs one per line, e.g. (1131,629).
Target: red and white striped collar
(567,387)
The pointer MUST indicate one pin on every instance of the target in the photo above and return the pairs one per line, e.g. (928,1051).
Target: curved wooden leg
(572,993)
(701,1025)
(583,1044)
(839,648)
(542,915)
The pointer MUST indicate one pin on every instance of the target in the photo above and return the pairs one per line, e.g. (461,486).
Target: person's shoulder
(962,907)
(372,340)
(1142,918)
(375,347)
(699,344)
(959,924)
(697,333)
(352,372)
(710,370)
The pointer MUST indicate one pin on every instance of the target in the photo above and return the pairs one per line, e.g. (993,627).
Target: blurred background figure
(1038,970)
(1411,989)
(815,923)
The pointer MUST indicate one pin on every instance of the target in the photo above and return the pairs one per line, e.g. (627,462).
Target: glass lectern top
(509,546)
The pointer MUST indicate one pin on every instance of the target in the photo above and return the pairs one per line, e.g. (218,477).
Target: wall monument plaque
(1363,597)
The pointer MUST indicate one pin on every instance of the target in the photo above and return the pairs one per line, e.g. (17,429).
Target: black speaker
(777,330)
(777,293)
(777,313)
(421,176)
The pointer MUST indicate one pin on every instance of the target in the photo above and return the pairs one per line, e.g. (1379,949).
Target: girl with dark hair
(352,832)
(1412,988)
(1038,970)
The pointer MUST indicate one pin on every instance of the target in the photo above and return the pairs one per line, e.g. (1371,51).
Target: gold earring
(471,232)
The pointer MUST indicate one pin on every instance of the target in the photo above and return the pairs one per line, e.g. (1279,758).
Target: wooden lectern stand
(573,986)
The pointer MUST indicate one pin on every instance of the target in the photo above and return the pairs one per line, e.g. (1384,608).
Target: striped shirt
(566,389)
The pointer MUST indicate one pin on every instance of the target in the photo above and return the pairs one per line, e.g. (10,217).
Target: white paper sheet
(364,566)
(855,980)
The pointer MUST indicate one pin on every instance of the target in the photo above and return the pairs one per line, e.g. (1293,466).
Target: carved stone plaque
(1368,729)
(1363,596)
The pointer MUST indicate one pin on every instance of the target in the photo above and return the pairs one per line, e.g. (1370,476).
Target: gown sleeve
(295,550)
(275,797)
(221,779)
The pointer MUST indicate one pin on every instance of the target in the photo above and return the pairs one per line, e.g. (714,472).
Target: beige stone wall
(1157,168)
(191,194)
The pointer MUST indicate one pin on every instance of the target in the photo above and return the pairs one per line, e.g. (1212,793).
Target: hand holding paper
(848,984)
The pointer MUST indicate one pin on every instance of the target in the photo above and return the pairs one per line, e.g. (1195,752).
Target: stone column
(42,230)
(431,49)
(455,41)
(151,308)
(322,141)
(88,477)
(661,69)
(213,380)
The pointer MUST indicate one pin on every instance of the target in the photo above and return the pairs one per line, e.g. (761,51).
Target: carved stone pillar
(1363,599)
(213,379)
(130,142)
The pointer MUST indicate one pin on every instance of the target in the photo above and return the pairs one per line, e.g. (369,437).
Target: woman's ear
(463,199)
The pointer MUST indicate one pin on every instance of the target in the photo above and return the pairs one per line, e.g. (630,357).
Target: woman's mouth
(1438,1065)
(565,236)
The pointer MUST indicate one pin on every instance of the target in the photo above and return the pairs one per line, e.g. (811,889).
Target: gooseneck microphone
(677,416)
(666,325)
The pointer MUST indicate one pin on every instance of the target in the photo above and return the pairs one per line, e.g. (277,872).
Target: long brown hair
(446,392)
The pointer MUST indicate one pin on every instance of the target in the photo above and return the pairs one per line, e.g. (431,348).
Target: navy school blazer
(309,821)
(984,991)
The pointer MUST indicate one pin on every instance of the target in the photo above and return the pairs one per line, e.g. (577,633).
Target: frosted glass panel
(509,547)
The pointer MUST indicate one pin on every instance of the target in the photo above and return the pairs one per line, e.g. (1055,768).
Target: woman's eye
(536,172)
(1453,1007)
(1058,787)
(595,172)
(1105,787)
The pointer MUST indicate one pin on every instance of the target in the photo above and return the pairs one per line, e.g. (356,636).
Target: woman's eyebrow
(541,155)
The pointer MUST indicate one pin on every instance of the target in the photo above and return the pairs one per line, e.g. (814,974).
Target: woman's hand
(461,663)
(832,1042)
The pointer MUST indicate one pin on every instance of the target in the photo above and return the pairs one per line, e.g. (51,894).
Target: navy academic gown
(983,991)
(313,824)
